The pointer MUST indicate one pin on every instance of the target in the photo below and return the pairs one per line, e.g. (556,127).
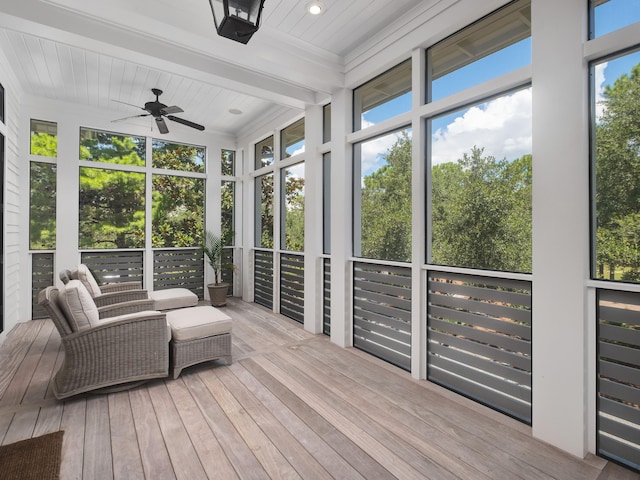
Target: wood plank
(349,450)
(496,429)
(5,422)
(378,448)
(153,452)
(205,443)
(124,446)
(22,378)
(184,460)
(73,425)
(237,451)
(450,453)
(39,384)
(273,462)
(97,439)
(334,464)
(14,351)
(414,401)
(49,419)
(299,458)
(354,402)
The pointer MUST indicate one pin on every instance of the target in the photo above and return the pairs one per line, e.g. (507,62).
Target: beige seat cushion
(78,306)
(83,274)
(198,322)
(173,298)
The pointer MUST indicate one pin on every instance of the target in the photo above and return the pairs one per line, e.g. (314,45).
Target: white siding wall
(14,219)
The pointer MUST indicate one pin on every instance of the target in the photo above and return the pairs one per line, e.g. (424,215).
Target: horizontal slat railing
(619,376)
(292,286)
(42,276)
(382,312)
(263,278)
(326,297)
(479,339)
(182,268)
(115,266)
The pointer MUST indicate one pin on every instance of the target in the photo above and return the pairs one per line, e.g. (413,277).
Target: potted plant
(213,248)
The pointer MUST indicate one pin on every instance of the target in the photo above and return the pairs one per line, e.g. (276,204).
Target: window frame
(357,97)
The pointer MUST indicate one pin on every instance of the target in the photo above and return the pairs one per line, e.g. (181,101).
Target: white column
(67,194)
(560,223)
(341,220)
(418,214)
(248,223)
(313,220)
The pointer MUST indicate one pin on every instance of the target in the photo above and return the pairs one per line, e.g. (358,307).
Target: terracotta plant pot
(218,294)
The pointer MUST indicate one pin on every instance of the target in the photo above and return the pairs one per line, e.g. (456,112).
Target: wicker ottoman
(198,334)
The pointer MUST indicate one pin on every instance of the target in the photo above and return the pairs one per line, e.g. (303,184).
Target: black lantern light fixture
(237,19)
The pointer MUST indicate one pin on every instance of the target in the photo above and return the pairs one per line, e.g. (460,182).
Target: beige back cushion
(83,274)
(78,306)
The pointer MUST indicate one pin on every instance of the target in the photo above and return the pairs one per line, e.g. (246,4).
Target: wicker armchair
(111,293)
(108,293)
(108,349)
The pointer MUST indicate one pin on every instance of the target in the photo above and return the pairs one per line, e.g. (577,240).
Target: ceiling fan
(160,111)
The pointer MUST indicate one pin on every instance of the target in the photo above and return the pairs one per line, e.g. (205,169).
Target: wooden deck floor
(292,405)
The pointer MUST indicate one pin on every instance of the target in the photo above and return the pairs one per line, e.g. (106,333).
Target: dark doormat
(34,458)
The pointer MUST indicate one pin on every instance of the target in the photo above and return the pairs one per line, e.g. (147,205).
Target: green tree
(386,206)
(44,144)
(177,211)
(264,188)
(617,179)
(227,200)
(111,208)
(294,214)
(481,213)
(106,147)
(42,197)
(42,206)
(178,201)
(112,202)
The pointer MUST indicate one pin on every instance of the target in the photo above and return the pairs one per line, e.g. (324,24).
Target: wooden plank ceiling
(91,53)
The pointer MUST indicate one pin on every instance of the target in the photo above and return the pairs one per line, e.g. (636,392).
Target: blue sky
(616,14)
(503,125)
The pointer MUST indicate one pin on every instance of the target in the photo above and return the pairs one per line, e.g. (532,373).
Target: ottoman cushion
(173,298)
(198,322)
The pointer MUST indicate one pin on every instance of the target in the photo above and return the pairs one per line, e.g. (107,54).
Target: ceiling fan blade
(162,126)
(185,122)
(131,116)
(125,103)
(174,109)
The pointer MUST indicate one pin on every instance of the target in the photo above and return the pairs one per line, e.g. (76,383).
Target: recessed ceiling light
(316,8)
(235,111)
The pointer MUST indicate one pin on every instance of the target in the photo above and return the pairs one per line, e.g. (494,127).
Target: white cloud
(299,150)
(501,126)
